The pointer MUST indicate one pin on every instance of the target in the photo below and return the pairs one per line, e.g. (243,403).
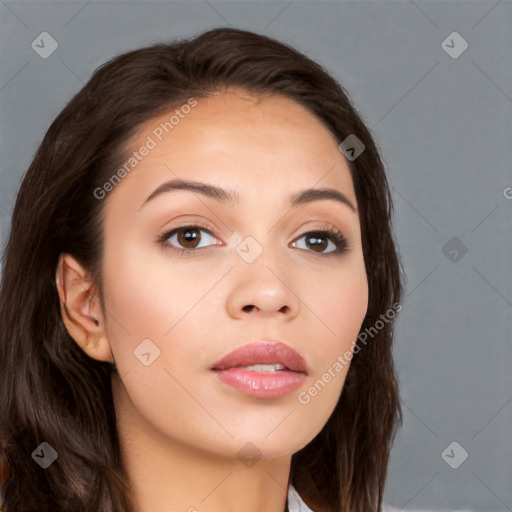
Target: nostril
(250,307)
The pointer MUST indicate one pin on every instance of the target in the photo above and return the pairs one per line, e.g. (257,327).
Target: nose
(263,289)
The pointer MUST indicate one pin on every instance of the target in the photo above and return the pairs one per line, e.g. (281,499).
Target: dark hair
(51,391)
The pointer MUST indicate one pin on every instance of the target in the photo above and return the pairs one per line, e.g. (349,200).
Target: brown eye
(316,241)
(319,241)
(187,237)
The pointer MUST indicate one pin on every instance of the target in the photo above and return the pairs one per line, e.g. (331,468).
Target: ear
(80,308)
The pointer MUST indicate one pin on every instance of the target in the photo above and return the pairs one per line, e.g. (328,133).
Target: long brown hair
(52,392)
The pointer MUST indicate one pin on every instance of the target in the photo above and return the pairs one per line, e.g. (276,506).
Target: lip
(262,384)
(263,352)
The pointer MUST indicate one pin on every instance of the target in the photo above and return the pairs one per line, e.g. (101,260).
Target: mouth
(274,367)
(262,369)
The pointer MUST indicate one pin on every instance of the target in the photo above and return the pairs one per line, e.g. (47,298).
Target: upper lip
(263,352)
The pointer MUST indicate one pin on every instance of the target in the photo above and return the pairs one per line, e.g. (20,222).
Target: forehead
(240,141)
(236,104)
(238,114)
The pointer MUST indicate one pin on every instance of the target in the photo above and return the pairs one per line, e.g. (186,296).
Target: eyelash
(331,233)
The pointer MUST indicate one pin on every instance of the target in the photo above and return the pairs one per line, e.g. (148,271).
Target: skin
(180,428)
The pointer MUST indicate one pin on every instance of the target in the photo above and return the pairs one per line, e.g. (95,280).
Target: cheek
(149,300)
(147,296)
(340,306)
(341,302)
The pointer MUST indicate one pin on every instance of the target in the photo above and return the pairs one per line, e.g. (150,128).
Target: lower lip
(262,384)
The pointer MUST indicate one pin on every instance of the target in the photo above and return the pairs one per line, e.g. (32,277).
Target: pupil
(191,235)
(317,242)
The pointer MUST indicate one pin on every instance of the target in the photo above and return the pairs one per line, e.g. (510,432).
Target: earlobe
(80,309)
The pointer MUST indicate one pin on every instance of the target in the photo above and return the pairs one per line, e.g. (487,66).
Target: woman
(199,290)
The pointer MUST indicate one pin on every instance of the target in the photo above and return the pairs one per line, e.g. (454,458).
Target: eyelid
(327,217)
(320,216)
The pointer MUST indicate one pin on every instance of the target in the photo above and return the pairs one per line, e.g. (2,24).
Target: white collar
(295,502)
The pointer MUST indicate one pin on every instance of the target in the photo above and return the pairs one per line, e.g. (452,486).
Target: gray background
(444,129)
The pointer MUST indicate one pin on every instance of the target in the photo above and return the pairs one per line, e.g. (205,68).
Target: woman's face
(252,271)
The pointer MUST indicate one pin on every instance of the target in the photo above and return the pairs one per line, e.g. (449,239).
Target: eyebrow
(232,197)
